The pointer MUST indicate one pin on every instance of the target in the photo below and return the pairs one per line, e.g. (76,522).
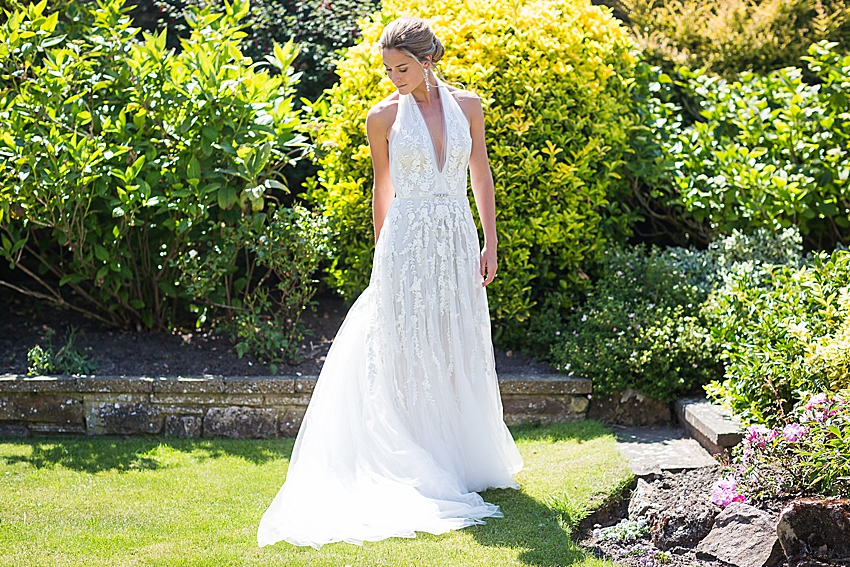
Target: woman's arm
(378,123)
(482,187)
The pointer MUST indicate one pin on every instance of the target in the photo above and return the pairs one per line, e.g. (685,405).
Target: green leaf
(194,168)
(226,197)
(66,279)
(137,303)
(101,253)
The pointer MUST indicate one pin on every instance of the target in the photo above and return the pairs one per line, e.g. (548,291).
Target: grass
(169,502)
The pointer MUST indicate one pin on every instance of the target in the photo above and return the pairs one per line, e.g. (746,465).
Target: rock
(240,422)
(183,425)
(744,536)
(13,430)
(682,526)
(122,418)
(642,503)
(815,530)
(629,408)
(290,422)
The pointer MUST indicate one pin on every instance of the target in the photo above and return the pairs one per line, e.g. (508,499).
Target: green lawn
(168,502)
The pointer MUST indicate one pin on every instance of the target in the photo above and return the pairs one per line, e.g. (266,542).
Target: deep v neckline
(431,136)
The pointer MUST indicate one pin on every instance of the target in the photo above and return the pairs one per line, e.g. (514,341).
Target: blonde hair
(413,37)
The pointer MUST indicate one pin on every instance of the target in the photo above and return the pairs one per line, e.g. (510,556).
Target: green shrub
(728,37)
(640,327)
(319,28)
(282,256)
(643,325)
(118,157)
(769,151)
(67,360)
(783,333)
(554,80)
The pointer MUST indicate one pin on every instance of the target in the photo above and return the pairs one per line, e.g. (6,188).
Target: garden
(185,188)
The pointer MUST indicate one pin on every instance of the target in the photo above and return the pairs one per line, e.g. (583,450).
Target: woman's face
(404,71)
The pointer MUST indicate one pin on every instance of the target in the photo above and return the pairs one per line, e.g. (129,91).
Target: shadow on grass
(96,454)
(528,525)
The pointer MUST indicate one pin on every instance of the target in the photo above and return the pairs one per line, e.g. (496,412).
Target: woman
(405,424)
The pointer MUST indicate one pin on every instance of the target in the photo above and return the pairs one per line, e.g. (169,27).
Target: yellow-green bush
(553,76)
(735,35)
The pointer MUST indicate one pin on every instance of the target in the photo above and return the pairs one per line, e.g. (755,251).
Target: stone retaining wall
(230,407)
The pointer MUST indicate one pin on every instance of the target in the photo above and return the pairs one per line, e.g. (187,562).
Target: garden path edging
(217,406)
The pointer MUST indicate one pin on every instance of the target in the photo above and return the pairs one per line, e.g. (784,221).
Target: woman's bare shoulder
(384,113)
(469,102)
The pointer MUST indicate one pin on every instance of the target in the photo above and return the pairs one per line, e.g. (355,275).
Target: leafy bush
(640,327)
(286,251)
(643,325)
(118,157)
(728,37)
(769,151)
(808,453)
(783,332)
(67,360)
(319,28)
(553,77)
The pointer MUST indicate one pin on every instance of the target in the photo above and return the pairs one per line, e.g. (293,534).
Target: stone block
(240,422)
(114,384)
(197,411)
(180,385)
(548,384)
(289,422)
(122,418)
(714,427)
(26,384)
(630,409)
(305,384)
(183,425)
(540,409)
(743,536)
(260,385)
(126,398)
(207,399)
(52,428)
(815,530)
(284,400)
(13,430)
(42,408)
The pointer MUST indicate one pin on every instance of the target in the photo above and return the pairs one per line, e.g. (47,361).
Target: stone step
(651,450)
(715,428)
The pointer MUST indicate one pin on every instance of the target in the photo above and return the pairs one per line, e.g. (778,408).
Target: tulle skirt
(405,423)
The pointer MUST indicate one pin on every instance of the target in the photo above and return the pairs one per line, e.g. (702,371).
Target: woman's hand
(488,264)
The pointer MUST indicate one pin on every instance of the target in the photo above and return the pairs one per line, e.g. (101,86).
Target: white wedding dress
(405,424)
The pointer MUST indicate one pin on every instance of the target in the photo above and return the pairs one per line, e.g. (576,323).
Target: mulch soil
(24,322)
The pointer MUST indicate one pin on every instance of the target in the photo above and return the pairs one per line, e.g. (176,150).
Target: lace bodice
(413,163)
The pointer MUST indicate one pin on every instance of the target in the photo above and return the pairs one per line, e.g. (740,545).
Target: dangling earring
(427,82)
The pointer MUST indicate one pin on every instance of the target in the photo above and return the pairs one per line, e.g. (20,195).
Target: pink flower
(793,432)
(726,491)
(815,401)
(760,435)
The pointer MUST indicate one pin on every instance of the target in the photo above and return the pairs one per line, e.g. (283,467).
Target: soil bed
(24,322)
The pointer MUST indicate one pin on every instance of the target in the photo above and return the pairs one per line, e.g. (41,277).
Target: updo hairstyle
(413,37)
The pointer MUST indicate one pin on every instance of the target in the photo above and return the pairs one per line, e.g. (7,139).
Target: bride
(405,424)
